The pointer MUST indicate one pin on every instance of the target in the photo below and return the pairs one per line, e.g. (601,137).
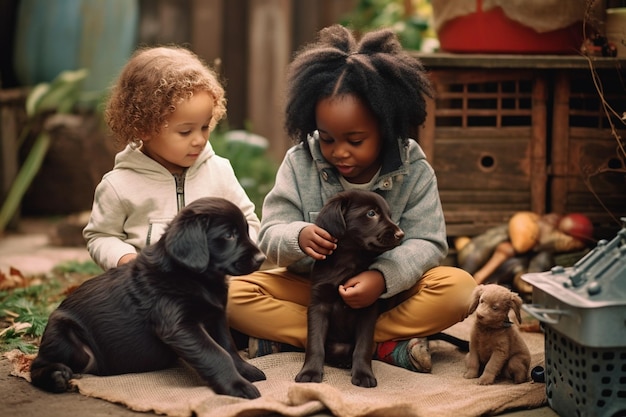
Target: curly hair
(391,82)
(151,85)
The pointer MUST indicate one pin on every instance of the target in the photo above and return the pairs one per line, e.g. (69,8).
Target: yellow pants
(272,304)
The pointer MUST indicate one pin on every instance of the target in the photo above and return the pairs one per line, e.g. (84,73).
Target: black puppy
(338,334)
(167,304)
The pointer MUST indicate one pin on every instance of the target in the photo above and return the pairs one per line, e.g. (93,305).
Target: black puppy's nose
(399,234)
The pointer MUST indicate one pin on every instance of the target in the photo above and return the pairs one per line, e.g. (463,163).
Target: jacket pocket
(156,229)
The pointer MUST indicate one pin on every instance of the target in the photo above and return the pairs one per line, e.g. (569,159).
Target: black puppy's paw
(309,375)
(239,388)
(363,378)
(53,378)
(250,372)
(249,391)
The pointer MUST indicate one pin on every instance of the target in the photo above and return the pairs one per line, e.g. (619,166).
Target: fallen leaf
(14,279)
(17,327)
(16,272)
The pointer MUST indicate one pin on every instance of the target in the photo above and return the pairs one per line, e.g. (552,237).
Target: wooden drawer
(486,139)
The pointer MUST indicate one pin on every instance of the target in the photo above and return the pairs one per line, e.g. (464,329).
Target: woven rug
(443,393)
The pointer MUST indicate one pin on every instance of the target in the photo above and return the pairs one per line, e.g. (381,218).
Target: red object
(493,32)
(577,225)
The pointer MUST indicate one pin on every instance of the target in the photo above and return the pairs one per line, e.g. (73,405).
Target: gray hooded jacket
(305,181)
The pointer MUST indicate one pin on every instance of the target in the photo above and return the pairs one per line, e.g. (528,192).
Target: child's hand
(126,258)
(363,290)
(316,242)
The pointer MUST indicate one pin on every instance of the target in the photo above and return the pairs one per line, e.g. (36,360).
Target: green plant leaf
(60,95)
(24,178)
(34,97)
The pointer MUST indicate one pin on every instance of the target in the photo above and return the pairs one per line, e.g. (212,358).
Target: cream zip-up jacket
(135,201)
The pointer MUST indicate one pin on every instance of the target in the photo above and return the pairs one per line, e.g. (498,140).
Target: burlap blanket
(179,392)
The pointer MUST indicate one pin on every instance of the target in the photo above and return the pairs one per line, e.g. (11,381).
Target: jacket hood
(135,159)
(394,161)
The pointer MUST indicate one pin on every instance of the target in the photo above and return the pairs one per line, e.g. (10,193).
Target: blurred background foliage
(411,20)
(248,155)
(44,100)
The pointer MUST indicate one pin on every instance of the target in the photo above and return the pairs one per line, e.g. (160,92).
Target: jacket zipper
(180,190)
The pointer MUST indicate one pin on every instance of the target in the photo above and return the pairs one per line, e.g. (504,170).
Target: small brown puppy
(496,346)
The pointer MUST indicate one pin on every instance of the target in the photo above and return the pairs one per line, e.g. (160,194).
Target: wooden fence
(251,41)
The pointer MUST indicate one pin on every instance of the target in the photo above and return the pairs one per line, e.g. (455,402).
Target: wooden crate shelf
(507,133)
(485,137)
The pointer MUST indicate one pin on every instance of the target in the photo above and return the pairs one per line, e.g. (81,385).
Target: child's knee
(451,280)
(455,285)
(464,285)
(241,289)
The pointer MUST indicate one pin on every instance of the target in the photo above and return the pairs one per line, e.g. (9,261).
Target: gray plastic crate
(583,381)
(583,311)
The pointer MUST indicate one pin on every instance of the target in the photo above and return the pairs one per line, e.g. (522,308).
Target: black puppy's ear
(331,218)
(186,243)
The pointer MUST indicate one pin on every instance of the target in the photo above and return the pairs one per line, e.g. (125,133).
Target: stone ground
(30,251)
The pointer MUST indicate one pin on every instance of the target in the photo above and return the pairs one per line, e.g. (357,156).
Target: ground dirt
(20,399)
(29,250)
